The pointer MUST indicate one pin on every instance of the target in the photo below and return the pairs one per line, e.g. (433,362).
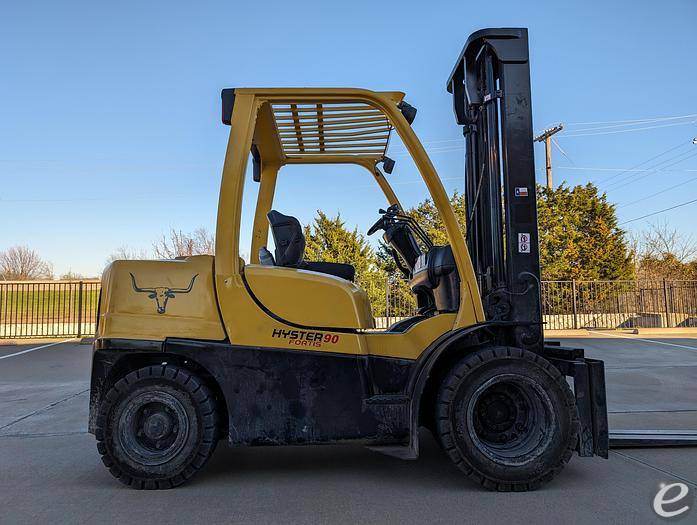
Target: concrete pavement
(651,383)
(50,469)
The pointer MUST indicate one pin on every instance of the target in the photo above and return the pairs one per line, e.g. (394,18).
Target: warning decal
(523,243)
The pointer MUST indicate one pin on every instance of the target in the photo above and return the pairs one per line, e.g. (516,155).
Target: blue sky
(110,127)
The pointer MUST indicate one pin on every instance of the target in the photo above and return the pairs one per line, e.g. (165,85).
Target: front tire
(156,427)
(507,418)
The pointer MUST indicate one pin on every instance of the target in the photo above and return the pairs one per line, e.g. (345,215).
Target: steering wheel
(379,225)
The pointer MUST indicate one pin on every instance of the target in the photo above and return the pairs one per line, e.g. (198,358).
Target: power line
(660,166)
(639,121)
(430,150)
(561,150)
(681,158)
(659,211)
(441,141)
(579,134)
(614,126)
(647,161)
(632,181)
(637,170)
(651,168)
(84,199)
(658,192)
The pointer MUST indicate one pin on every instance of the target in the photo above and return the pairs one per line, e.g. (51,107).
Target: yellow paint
(310,298)
(126,312)
(413,342)
(260,231)
(300,297)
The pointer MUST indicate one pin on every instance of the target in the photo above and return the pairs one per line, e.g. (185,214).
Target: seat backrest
(265,257)
(288,238)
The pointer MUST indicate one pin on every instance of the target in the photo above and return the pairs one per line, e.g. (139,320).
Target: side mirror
(408,111)
(256,163)
(388,164)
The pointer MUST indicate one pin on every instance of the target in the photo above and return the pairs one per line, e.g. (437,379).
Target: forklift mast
(490,84)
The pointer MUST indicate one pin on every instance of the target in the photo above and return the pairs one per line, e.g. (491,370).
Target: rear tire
(156,427)
(507,418)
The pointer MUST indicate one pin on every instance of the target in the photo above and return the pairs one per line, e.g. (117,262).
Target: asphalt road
(50,470)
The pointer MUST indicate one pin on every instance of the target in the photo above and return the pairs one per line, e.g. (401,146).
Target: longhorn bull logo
(162,294)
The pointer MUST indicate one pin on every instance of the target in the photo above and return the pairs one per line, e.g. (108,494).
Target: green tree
(579,235)
(426,214)
(328,239)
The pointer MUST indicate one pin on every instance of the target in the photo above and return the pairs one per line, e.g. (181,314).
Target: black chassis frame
(276,396)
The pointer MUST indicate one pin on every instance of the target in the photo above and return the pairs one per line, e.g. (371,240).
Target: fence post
(387,301)
(665,301)
(79,310)
(573,303)
(618,317)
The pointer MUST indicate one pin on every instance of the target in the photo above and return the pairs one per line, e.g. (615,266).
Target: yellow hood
(158,299)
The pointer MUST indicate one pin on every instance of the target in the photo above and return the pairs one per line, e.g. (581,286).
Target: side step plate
(653,438)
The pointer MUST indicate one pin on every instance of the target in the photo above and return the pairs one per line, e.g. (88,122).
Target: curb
(666,332)
(31,341)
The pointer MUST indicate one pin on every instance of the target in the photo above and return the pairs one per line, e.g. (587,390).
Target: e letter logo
(669,501)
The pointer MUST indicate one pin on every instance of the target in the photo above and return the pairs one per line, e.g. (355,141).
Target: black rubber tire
(194,408)
(553,416)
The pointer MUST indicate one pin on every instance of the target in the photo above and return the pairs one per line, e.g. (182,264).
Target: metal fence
(391,300)
(35,309)
(69,308)
(619,304)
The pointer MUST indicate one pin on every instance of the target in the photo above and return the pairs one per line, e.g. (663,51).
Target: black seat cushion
(344,271)
(288,238)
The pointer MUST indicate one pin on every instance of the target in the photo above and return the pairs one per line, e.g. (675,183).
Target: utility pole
(546,136)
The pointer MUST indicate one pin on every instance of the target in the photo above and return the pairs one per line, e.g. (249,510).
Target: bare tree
(126,253)
(21,263)
(665,253)
(661,240)
(71,276)
(181,244)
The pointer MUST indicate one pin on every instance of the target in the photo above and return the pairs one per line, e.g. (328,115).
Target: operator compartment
(431,270)
(435,276)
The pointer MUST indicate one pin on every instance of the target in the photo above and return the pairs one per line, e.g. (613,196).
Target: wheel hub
(153,428)
(509,418)
(157,426)
(497,412)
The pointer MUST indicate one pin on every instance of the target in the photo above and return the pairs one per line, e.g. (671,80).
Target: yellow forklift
(284,351)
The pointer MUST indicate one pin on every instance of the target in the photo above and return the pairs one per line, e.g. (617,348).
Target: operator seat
(288,238)
(290,249)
